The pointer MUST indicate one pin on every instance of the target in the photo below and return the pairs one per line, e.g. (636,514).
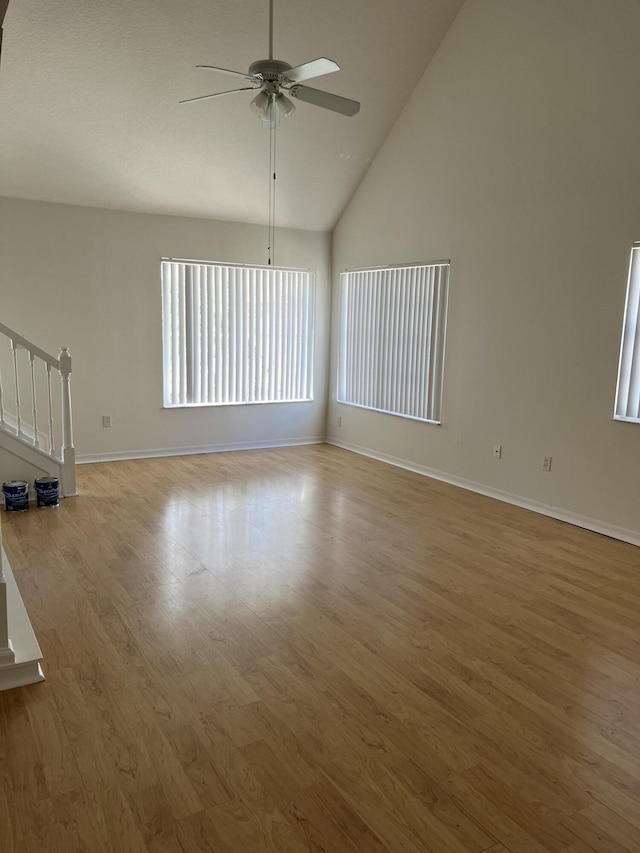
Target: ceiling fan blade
(217,94)
(246,76)
(3,9)
(315,68)
(337,103)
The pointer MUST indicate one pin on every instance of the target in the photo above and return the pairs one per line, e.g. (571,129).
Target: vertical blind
(392,339)
(236,334)
(627,405)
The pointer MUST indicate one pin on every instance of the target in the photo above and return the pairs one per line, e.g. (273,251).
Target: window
(236,334)
(392,339)
(627,406)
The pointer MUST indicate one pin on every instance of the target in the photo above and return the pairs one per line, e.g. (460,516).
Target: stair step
(27,667)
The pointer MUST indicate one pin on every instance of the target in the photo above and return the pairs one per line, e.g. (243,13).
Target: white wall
(14,468)
(517,158)
(90,279)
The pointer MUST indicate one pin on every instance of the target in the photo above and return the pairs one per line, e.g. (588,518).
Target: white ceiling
(89,109)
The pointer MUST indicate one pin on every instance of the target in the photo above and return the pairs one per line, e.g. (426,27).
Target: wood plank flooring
(305,650)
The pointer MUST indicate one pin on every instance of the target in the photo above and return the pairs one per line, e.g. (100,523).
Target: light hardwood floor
(306,650)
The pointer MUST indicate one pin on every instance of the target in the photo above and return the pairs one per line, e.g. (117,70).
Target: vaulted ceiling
(89,93)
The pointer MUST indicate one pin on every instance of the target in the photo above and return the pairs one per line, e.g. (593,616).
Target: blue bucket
(16,495)
(47,491)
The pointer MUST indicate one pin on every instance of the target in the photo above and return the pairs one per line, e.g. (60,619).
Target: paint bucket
(47,491)
(16,495)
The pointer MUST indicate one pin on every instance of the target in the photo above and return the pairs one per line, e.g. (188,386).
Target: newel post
(7,654)
(68,450)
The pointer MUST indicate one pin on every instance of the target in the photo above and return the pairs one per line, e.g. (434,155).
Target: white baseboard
(593,524)
(19,675)
(123,456)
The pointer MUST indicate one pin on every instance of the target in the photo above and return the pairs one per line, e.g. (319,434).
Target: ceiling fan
(273,77)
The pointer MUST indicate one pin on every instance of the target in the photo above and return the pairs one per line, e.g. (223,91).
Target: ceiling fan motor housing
(271,70)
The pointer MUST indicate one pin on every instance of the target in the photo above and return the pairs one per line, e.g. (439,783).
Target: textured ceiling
(89,109)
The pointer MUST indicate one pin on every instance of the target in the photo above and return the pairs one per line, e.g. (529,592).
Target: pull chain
(272,179)
(273,116)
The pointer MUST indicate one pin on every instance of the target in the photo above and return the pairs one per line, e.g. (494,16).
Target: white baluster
(68,450)
(6,651)
(52,445)
(36,441)
(14,350)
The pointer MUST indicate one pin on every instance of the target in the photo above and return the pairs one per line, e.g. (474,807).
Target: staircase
(27,374)
(37,432)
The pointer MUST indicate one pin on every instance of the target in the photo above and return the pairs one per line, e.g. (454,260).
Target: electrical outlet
(497,451)
(546,463)
(339,421)
(106,421)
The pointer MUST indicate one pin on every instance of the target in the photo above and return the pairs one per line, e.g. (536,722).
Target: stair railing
(23,423)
